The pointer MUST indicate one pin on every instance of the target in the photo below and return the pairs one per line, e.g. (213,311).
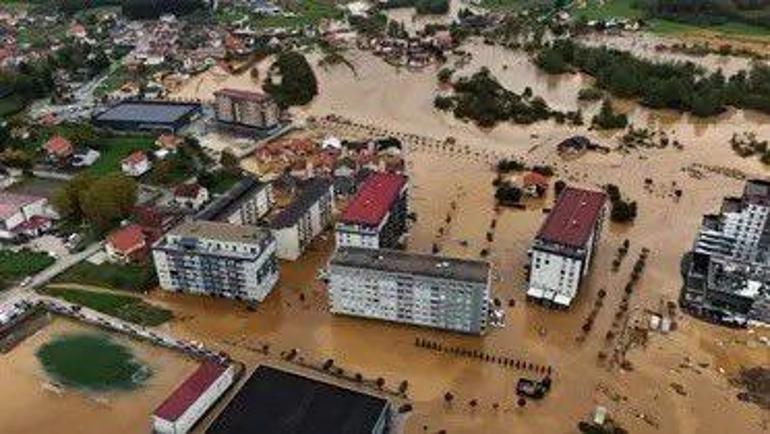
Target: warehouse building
(219,259)
(274,401)
(425,290)
(376,216)
(246,203)
(147,116)
(246,109)
(561,255)
(190,401)
(304,218)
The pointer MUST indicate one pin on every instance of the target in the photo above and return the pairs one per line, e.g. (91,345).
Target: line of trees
(101,201)
(710,12)
(676,85)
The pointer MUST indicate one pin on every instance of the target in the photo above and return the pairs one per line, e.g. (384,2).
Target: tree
(66,200)
(607,118)
(297,84)
(448,398)
(380,382)
(521,402)
(108,200)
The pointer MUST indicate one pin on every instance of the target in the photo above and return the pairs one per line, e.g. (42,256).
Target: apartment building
(728,275)
(247,109)
(376,217)
(311,211)
(219,259)
(246,203)
(562,252)
(410,288)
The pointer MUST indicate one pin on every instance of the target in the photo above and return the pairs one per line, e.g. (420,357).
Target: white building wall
(288,243)
(554,277)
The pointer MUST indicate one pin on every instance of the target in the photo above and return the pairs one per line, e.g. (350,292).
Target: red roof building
(376,216)
(59,147)
(374,199)
(182,409)
(573,218)
(127,244)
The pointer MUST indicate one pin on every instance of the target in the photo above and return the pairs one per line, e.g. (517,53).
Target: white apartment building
(563,249)
(246,203)
(214,258)
(301,221)
(424,290)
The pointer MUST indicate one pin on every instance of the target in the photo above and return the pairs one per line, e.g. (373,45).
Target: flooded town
(404,216)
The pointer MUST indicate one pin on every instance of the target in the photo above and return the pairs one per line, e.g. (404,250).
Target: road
(18,292)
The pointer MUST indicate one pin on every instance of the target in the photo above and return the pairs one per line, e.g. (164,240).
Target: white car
(27,280)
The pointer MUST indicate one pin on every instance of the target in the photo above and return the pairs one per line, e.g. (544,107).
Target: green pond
(93,362)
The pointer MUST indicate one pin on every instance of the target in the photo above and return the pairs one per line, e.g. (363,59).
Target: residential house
(191,196)
(23,215)
(136,164)
(127,244)
(534,184)
(58,149)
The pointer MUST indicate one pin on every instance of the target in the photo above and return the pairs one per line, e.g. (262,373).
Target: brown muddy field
(30,404)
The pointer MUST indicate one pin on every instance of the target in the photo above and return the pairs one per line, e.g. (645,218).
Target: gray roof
(225,205)
(311,192)
(221,231)
(395,261)
(149,111)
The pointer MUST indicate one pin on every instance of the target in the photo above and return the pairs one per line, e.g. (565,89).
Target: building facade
(376,217)
(190,401)
(246,203)
(302,220)
(728,275)
(220,259)
(424,290)
(562,252)
(248,109)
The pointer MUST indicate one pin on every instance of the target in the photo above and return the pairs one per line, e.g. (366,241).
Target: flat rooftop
(221,231)
(243,94)
(396,261)
(311,192)
(231,200)
(374,199)
(273,401)
(147,112)
(572,219)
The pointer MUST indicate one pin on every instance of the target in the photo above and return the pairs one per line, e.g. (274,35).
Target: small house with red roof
(193,398)
(58,149)
(191,196)
(78,30)
(534,184)
(169,142)
(127,244)
(136,164)
(563,250)
(376,217)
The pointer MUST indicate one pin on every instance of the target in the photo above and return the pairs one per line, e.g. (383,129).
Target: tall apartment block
(247,109)
(219,259)
(295,226)
(246,203)
(376,216)
(425,290)
(561,254)
(728,276)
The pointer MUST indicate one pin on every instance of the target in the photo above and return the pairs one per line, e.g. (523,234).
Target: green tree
(108,200)
(297,84)
(66,199)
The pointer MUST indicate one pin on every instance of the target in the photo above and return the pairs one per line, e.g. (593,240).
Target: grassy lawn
(171,171)
(110,366)
(125,307)
(17,265)
(36,187)
(306,12)
(222,181)
(11,104)
(611,8)
(116,78)
(134,278)
(115,149)
(667,27)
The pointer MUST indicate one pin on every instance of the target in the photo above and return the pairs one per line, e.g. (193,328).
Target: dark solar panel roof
(150,112)
(311,192)
(279,402)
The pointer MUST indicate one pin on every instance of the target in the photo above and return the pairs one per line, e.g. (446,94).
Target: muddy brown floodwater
(30,404)
(698,357)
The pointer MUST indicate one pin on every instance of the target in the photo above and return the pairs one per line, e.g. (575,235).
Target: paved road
(17,293)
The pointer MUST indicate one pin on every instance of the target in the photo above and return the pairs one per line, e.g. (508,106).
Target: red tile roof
(572,219)
(188,392)
(534,178)
(134,158)
(374,199)
(127,238)
(59,146)
(187,190)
